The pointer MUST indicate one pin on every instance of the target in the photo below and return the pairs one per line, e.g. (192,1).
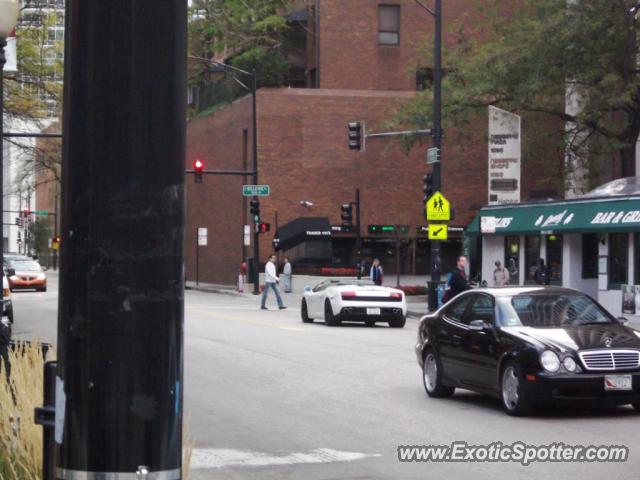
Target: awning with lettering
(302,229)
(580,215)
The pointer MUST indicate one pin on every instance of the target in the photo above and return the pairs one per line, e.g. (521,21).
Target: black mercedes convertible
(529,346)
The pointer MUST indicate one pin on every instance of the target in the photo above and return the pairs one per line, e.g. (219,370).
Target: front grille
(610,359)
(363,298)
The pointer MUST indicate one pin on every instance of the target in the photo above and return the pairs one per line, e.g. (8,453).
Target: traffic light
(255,207)
(356,136)
(428,186)
(346,215)
(26,212)
(264,227)
(198,167)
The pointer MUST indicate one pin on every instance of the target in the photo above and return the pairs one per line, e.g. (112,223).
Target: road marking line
(263,323)
(223,457)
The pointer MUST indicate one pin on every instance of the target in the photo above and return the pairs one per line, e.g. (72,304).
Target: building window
(389,24)
(531,255)
(590,255)
(554,258)
(618,259)
(512,258)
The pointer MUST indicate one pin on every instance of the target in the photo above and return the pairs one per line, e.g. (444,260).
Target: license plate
(617,382)
(373,311)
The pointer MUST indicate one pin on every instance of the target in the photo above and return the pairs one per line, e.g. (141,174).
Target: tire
(41,289)
(329,318)
(304,312)
(636,406)
(514,399)
(432,377)
(398,322)
(370,323)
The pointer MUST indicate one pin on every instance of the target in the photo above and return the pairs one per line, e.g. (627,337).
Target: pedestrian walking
(458,280)
(541,275)
(500,275)
(286,275)
(376,273)
(271,283)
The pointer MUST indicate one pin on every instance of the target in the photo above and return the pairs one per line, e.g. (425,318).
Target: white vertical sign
(10,54)
(247,236)
(504,156)
(203,234)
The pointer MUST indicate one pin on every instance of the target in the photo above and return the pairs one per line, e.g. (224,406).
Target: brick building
(361,64)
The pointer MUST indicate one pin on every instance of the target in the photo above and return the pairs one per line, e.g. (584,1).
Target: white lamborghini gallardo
(354,300)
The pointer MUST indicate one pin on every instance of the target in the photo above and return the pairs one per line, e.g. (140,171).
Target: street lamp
(253,89)
(436,132)
(9,10)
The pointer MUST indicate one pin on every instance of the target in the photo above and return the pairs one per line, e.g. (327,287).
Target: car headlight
(570,364)
(41,276)
(550,361)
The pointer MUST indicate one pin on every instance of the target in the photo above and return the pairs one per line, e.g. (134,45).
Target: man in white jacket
(271,282)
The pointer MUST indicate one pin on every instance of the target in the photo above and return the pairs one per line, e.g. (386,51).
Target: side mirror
(307,289)
(479,325)
(623,320)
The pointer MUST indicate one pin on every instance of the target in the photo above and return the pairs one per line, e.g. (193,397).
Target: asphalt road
(268,397)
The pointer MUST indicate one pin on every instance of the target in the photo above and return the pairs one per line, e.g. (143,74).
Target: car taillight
(348,295)
(396,295)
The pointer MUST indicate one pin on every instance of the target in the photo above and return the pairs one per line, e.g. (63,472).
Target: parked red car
(27,274)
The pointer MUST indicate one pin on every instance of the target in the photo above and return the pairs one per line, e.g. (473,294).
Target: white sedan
(354,300)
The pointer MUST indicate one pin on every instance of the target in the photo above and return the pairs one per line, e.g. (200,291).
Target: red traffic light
(198,168)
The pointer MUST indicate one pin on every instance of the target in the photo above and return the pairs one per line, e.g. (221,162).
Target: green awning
(594,215)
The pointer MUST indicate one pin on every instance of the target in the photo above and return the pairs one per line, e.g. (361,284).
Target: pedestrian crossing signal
(264,227)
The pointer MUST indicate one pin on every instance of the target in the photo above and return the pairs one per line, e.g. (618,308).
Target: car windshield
(357,283)
(26,266)
(553,310)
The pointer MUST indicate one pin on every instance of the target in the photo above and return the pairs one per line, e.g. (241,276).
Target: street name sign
(255,190)
(438,208)
(438,231)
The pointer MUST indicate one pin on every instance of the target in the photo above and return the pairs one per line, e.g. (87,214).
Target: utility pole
(119,385)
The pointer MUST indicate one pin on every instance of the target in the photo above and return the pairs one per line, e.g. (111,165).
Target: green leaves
(522,56)
(218,26)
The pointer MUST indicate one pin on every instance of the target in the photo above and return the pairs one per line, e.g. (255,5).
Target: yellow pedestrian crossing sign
(438,208)
(438,231)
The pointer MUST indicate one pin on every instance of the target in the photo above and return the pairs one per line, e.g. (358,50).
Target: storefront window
(512,258)
(618,259)
(532,255)
(554,258)
(590,255)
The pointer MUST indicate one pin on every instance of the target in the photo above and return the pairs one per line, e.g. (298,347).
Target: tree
(232,26)
(529,56)
(33,95)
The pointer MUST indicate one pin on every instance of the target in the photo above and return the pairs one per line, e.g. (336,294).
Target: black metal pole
(3,60)
(120,324)
(197,261)
(437,143)
(256,221)
(358,237)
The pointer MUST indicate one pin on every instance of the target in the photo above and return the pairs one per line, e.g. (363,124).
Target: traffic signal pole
(256,220)
(437,143)
(358,236)
(119,380)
